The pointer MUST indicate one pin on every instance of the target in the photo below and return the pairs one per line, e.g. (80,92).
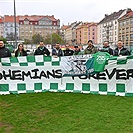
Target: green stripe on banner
(14,60)
(13,92)
(6,64)
(129,94)
(120,87)
(39,63)
(56,63)
(85,87)
(29,91)
(94,92)
(76,91)
(130,57)
(21,87)
(103,87)
(23,64)
(37,86)
(4,87)
(54,86)
(31,58)
(47,58)
(69,86)
(111,93)
(120,62)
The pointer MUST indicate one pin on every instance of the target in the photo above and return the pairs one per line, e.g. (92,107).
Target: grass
(65,113)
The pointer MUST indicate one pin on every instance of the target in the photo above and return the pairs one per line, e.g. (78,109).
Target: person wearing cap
(42,50)
(106,48)
(4,52)
(90,48)
(77,50)
(68,51)
(120,50)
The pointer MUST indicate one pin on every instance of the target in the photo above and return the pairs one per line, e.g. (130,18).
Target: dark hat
(90,41)
(76,46)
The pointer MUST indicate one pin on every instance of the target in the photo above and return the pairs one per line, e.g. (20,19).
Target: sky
(67,11)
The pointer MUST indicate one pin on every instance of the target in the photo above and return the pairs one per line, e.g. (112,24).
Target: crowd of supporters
(57,51)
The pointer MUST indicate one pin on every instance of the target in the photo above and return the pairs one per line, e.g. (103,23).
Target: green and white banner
(40,74)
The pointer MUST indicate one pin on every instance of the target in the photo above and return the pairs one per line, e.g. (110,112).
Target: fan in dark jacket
(68,51)
(20,51)
(106,48)
(42,50)
(57,51)
(4,52)
(120,50)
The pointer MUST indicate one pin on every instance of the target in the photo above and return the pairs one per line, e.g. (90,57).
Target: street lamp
(15,24)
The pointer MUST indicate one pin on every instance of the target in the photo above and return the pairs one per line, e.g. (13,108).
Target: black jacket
(42,51)
(68,52)
(107,49)
(23,53)
(4,52)
(123,52)
(56,52)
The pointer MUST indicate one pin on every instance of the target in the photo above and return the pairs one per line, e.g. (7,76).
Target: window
(131,37)
(131,21)
(131,29)
(127,22)
(85,29)
(120,23)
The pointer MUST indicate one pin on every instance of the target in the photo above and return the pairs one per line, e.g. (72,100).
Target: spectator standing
(68,51)
(4,52)
(106,48)
(77,50)
(20,51)
(120,50)
(90,49)
(42,50)
(57,51)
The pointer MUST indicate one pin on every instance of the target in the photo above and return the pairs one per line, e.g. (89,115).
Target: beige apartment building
(92,32)
(125,29)
(86,31)
(44,25)
(70,33)
(82,33)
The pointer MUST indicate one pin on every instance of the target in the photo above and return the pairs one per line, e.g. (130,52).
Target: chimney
(106,15)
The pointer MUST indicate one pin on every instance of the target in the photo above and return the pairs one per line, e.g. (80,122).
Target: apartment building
(86,31)
(44,25)
(125,29)
(82,33)
(92,32)
(1,27)
(70,33)
(9,26)
(63,31)
(107,28)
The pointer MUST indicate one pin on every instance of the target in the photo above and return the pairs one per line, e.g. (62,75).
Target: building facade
(125,29)
(9,27)
(82,33)
(43,25)
(86,31)
(107,29)
(1,27)
(92,32)
(70,33)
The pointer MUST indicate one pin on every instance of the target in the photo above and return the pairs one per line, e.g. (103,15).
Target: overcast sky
(67,11)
